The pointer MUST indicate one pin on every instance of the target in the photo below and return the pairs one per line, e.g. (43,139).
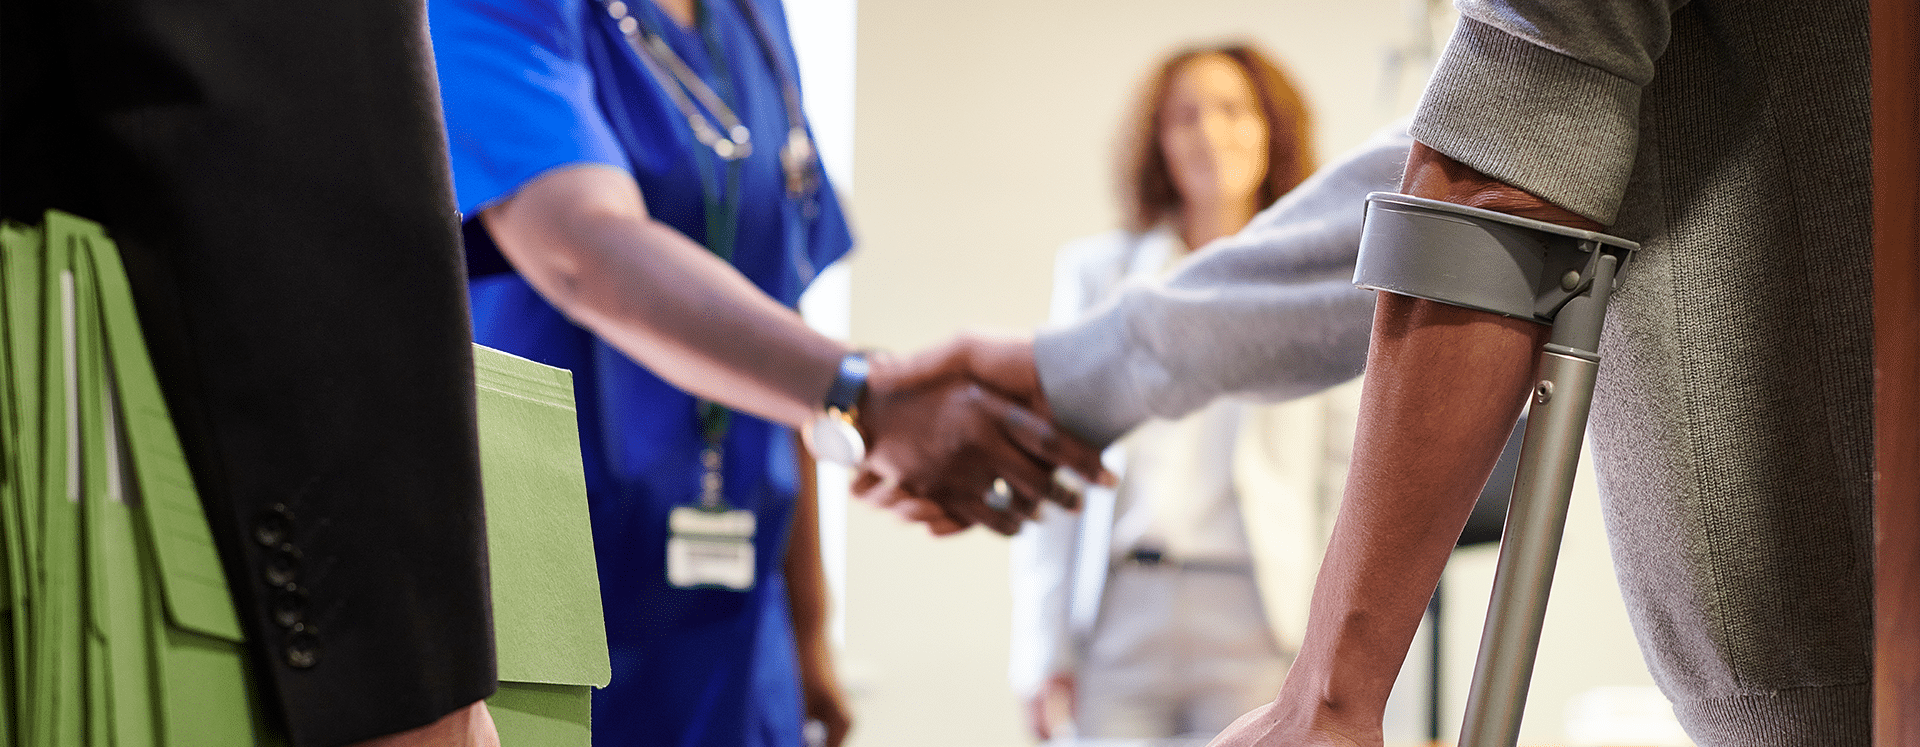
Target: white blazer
(1289,469)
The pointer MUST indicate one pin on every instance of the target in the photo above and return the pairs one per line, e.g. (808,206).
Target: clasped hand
(950,426)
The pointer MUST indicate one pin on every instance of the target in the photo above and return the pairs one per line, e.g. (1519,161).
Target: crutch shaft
(1529,550)
(1537,516)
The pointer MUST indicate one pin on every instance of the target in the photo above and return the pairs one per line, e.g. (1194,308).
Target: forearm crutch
(1527,269)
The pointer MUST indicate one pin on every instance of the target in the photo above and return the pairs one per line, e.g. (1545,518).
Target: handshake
(961,435)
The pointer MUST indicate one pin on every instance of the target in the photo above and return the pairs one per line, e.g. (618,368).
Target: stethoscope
(714,124)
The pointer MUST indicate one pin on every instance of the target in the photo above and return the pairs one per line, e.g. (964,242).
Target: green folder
(548,630)
(116,624)
(20,253)
(121,631)
(174,631)
(59,678)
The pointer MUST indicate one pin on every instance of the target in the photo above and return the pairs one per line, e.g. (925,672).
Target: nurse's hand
(939,440)
(867,487)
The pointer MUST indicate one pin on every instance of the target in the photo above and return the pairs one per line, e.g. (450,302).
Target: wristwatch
(832,436)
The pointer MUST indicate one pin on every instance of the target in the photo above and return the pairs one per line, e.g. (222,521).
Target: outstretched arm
(1444,386)
(1270,312)
(583,238)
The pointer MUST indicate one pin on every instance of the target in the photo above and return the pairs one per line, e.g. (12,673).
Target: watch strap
(849,382)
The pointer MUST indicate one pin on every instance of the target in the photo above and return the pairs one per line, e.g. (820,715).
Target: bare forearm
(1444,388)
(699,324)
(583,238)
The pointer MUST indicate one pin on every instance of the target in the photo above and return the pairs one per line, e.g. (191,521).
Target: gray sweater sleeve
(1269,312)
(1545,95)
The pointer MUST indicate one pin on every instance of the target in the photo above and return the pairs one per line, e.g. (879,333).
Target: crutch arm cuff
(1478,259)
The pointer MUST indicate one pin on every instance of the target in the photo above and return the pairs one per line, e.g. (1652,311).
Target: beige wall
(986,128)
(984,135)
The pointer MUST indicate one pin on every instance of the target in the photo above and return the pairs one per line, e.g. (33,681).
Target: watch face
(835,441)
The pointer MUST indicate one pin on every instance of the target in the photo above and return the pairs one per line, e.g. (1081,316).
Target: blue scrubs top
(534,85)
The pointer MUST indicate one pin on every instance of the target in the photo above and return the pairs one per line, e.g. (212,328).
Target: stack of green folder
(116,624)
(118,627)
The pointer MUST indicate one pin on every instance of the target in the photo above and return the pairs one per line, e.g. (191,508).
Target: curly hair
(1147,192)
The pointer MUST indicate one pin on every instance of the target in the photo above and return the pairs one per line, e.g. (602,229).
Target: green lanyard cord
(721,203)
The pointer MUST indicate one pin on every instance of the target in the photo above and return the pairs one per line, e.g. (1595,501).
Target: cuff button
(272,527)
(283,566)
(290,607)
(302,649)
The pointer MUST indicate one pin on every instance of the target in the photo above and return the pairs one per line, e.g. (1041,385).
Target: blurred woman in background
(1146,615)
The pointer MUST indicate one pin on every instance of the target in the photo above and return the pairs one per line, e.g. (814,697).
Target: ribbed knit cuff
(1560,129)
(1087,373)
(1827,716)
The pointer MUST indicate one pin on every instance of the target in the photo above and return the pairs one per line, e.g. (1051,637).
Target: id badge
(710,548)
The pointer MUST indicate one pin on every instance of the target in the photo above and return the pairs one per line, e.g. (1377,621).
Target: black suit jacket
(274,173)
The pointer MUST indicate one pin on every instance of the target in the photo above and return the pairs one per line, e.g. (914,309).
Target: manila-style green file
(122,631)
(9,483)
(25,277)
(58,702)
(116,627)
(548,631)
(174,608)
(20,247)
(120,707)
(87,453)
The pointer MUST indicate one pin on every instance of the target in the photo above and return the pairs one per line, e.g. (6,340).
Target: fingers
(1042,443)
(1003,498)
(1030,480)
(833,718)
(974,508)
(866,482)
(1069,488)
(1039,717)
(948,442)
(941,518)
(939,521)
(837,731)
(875,489)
